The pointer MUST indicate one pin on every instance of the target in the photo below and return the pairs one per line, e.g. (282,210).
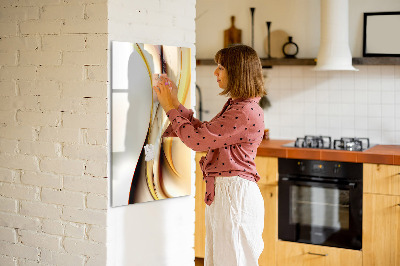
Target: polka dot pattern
(231,139)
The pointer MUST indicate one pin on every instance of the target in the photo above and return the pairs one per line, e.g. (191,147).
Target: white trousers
(234,223)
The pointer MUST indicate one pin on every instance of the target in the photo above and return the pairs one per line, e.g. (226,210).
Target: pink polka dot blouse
(231,139)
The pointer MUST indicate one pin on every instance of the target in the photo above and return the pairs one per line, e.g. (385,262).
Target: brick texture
(53,121)
(61,258)
(53,227)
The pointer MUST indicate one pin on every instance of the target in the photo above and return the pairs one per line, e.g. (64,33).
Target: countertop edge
(379,154)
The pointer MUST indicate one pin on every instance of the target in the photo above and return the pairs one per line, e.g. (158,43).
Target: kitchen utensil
(232,35)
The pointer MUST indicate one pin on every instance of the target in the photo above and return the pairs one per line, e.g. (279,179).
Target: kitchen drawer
(381,179)
(298,254)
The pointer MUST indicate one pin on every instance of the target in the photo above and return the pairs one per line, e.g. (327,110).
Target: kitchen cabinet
(381,221)
(267,167)
(270,233)
(200,207)
(381,179)
(381,215)
(381,230)
(298,254)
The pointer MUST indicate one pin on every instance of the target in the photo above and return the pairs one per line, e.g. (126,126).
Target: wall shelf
(376,61)
(312,61)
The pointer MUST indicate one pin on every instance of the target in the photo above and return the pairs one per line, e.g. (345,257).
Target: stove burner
(351,144)
(322,142)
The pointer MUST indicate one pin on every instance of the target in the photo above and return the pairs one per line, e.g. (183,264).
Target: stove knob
(301,166)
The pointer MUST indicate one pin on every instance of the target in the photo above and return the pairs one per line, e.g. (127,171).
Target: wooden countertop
(379,154)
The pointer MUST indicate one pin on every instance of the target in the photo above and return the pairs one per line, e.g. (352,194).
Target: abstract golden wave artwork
(144,165)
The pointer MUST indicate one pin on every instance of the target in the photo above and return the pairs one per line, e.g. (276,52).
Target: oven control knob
(302,167)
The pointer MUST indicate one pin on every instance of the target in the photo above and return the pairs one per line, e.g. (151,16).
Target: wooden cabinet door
(298,254)
(200,207)
(270,233)
(381,179)
(267,168)
(381,230)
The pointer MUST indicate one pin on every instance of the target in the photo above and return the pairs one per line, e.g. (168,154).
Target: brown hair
(245,78)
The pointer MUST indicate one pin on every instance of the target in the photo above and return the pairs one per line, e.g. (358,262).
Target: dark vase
(290,49)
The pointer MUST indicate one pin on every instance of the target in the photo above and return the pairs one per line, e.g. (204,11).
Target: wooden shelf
(288,62)
(312,61)
(376,61)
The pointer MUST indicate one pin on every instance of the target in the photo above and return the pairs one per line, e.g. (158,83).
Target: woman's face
(222,76)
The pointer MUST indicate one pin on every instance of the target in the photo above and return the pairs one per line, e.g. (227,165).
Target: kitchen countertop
(379,154)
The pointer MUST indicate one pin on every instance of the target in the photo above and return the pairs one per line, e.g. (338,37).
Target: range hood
(334,51)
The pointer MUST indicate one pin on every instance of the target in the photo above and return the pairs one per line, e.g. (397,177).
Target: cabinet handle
(318,254)
(398,204)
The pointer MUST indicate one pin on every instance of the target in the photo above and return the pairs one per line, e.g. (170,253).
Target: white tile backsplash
(388,97)
(387,71)
(322,95)
(347,110)
(361,110)
(374,110)
(361,124)
(374,83)
(348,96)
(364,103)
(397,111)
(322,108)
(387,124)
(388,83)
(374,97)
(388,110)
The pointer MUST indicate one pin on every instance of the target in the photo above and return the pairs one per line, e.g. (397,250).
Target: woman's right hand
(174,90)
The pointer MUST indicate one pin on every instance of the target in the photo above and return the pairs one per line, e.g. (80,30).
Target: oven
(320,202)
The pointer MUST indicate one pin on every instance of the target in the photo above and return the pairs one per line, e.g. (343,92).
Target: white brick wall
(53,128)
(53,113)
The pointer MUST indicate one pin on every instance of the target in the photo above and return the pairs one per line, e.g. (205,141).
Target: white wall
(338,104)
(299,18)
(161,232)
(53,110)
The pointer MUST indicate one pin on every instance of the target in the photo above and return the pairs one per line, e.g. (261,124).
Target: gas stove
(325,142)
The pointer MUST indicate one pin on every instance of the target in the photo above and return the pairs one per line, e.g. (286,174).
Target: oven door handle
(329,184)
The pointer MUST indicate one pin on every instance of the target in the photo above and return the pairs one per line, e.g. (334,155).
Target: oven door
(321,212)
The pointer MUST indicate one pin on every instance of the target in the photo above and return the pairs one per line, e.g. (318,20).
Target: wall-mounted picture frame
(381,36)
(145,166)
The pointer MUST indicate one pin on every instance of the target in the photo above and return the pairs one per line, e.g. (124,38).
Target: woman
(235,207)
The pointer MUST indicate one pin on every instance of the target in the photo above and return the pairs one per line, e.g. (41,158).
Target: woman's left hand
(163,91)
